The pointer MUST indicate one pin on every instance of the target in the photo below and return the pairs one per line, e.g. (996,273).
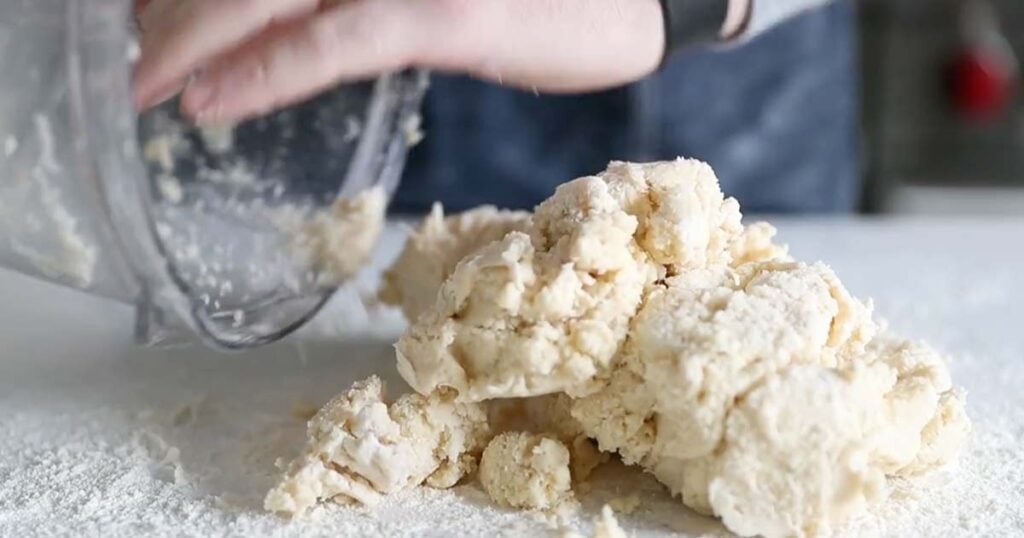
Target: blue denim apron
(776,118)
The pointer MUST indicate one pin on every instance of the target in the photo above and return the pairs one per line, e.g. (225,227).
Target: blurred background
(942,113)
(875,106)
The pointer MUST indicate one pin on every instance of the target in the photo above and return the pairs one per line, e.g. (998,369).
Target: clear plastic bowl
(195,227)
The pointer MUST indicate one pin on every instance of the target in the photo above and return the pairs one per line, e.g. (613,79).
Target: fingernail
(144,101)
(198,96)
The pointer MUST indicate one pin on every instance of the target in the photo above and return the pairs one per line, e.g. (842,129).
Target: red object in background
(982,84)
(983,74)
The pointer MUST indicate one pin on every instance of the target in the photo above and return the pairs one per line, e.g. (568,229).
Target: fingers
(178,36)
(351,41)
(258,55)
(569,45)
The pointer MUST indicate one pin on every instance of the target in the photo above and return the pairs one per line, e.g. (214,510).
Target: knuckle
(445,30)
(456,10)
(322,40)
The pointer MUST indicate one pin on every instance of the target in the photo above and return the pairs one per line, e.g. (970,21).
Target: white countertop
(98,437)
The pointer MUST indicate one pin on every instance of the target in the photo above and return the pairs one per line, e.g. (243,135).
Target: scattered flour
(10,145)
(71,258)
(412,129)
(73,462)
(42,229)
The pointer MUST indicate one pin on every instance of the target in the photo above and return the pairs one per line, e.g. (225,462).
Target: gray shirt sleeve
(695,22)
(764,14)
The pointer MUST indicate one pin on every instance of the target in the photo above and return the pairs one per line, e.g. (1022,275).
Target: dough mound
(435,247)
(358,447)
(763,394)
(547,310)
(525,470)
(633,311)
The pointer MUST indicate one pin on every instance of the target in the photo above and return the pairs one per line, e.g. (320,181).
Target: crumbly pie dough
(634,311)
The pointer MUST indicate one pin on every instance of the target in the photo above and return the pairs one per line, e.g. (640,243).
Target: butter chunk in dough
(526,470)
(359,447)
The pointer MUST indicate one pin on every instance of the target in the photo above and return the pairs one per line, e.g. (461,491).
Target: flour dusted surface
(72,412)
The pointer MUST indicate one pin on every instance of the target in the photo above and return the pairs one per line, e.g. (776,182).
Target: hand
(241,58)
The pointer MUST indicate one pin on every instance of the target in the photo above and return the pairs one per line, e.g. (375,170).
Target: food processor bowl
(205,229)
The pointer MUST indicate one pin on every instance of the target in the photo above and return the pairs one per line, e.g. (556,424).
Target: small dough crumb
(526,470)
(549,415)
(606,526)
(159,151)
(412,129)
(218,138)
(358,447)
(170,188)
